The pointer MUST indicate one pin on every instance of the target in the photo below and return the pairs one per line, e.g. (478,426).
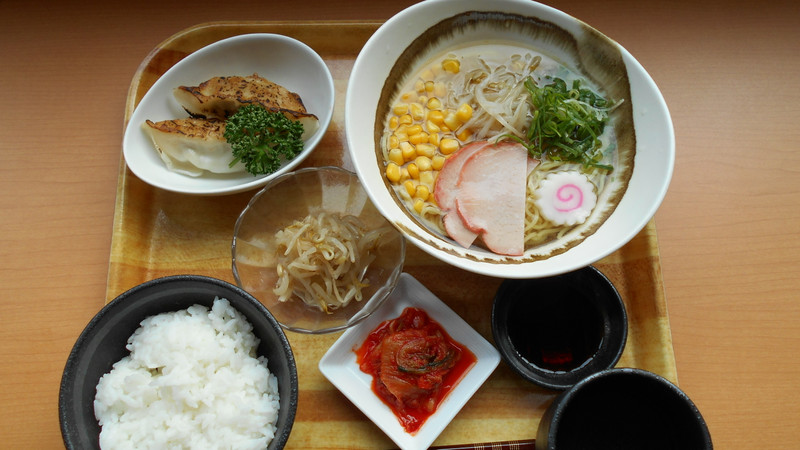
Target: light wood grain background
(729,228)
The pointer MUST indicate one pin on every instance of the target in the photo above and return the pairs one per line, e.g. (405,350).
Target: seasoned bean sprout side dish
(498,145)
(323,259)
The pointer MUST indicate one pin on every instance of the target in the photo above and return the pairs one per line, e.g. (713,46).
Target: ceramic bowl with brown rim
(396,90)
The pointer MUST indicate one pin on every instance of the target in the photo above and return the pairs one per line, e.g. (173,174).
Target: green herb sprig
(262,139)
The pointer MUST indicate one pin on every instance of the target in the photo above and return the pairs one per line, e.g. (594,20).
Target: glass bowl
(257,254)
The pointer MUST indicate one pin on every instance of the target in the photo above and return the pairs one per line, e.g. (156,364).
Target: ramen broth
(471,94)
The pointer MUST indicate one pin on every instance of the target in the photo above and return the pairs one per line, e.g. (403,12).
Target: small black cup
(623,409)
(555,331)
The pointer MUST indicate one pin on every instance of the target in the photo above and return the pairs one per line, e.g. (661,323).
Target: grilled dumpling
(221,97)
(193,146)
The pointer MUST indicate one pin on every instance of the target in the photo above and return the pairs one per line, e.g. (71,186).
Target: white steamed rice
(192,381)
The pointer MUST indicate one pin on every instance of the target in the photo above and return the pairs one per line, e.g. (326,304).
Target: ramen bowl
(312,212)
(390,73)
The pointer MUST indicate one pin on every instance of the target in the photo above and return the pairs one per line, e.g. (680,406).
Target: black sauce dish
(556,331)
(623,408)
(102,343)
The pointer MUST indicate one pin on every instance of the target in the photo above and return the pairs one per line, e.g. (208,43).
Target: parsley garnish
(262,139)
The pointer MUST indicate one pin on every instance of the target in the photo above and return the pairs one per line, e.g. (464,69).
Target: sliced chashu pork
(446,190)
(481,190)
(221,97)
(491,196)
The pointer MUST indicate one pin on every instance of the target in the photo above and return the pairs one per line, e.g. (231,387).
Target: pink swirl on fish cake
(565,198)
(572,191)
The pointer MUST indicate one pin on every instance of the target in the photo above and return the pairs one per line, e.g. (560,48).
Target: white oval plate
(281,59)
(340,368)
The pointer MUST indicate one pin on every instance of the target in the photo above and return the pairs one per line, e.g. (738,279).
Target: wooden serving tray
(158,233)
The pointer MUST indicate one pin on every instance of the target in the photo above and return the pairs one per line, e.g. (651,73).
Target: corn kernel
(419,86)
(393,122)
(437,162)
(409,97)
(393,141)
(404,174)
(423,163)
(413,129)
(434,139)
(448,146)
(396,156)
(422,192)
(464,134)
(464,112)
(451,120)
(393,172)
(427,178)
(419,138)
(411,187)
(431,127)
(413,171)
(451,65)
(400,109)
(425,149)
(406,119)
(436,117)
(417,111)
(418,204)
(429,85)
(408,151)
(434,103)
(440,90)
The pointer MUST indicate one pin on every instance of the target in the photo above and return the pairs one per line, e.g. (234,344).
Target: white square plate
(340,368)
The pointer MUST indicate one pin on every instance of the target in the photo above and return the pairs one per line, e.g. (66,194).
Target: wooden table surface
(729,228)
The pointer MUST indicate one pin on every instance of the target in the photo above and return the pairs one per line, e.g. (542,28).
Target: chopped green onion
(566,123)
